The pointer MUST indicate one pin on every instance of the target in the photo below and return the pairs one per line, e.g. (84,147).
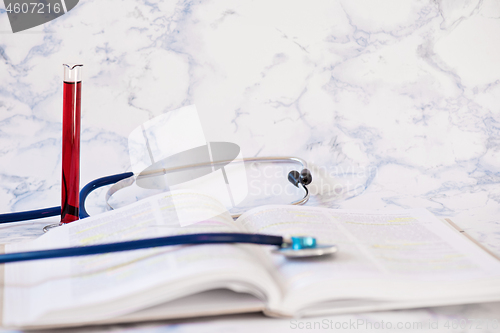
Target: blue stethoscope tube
(54,211)
(191,239)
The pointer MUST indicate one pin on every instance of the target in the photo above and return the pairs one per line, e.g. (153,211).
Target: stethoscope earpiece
(296,178)
(305,177)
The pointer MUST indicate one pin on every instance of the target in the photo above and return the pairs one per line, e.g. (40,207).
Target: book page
(37,290)
(381,255)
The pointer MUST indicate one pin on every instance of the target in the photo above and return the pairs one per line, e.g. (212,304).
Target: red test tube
(70,192)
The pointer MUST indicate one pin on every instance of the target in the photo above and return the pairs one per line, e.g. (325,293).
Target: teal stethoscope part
(303,242)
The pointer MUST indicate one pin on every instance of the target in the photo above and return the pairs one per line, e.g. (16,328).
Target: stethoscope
(119,181)
(291,247)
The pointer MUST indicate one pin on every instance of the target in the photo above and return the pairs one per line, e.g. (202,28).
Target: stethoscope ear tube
(299,179)
(95,184)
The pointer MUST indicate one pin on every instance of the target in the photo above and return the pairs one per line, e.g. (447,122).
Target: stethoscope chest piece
(304,247)
(318,251)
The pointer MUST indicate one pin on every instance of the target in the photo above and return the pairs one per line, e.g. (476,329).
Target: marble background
(395,104)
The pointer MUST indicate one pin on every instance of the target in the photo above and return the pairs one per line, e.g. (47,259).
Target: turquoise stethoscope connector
(306,242)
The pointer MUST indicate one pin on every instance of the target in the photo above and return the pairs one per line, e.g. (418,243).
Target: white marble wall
(395,103)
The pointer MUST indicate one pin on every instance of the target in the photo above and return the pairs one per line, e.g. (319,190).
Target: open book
(385,260)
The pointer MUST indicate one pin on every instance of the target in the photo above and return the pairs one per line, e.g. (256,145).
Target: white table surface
(395,104)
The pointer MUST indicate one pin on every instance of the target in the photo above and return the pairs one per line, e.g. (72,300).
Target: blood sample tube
(72,88)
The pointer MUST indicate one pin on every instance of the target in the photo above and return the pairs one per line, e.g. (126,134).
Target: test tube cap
(72,72)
